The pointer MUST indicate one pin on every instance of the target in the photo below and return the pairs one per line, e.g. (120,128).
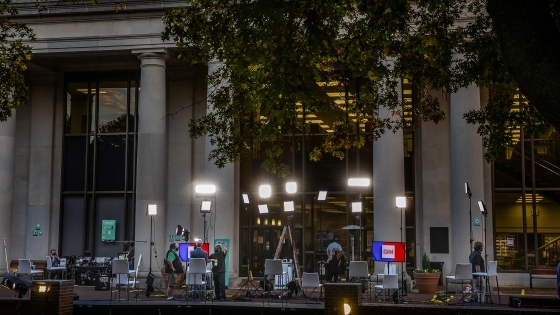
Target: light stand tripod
(404,290)
(469,194)
(152,211)
(487,293)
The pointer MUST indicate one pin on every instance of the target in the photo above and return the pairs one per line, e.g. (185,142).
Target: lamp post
(206,191)
(358,182)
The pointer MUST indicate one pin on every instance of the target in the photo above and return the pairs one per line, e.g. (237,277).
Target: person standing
(173,266)
(477,263)
(219,271)
(334,244)
(130,256)
(334,262)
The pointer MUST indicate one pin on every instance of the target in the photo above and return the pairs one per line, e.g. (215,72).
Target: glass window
(75,163)
(111,154)
(77,100)
(113,103)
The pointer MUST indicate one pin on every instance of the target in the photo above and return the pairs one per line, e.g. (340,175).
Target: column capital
(150,57)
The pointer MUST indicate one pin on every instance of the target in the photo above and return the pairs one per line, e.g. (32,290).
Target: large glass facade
(99,161)
(314,223)
(527,200)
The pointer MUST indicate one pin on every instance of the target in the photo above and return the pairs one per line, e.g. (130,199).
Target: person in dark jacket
(219,271)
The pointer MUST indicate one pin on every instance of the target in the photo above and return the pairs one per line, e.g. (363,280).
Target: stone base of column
(337,294)
(50,297)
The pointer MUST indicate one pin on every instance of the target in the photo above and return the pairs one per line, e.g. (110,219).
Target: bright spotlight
(401,202)
(245,198)
(263,209)
(152,209)
(482,207)
(206,206)
(265,191)
(291,187)
(356,207)
(322,195)
(289,206)
(360,182)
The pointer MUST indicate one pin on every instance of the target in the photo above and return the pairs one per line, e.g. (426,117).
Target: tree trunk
(530,43)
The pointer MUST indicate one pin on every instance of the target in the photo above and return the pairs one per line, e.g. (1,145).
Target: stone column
(466,156)
(388,183)
(151,159)
(7,154)
(39,202)
(226,211)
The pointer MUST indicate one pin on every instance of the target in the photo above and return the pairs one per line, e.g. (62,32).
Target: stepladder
(294,251)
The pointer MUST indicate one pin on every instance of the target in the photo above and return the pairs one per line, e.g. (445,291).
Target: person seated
(55,260)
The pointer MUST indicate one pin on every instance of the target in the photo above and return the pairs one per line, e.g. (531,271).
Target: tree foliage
(14,55)
(273,53)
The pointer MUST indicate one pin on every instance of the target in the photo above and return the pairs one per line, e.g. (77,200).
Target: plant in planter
(426,278)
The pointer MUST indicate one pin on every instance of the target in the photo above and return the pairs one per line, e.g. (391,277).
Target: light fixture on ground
(289,206)
(206,191)
(358,182)
(205,207)
(263,209)
(400,203)
(356,207)
(151,210)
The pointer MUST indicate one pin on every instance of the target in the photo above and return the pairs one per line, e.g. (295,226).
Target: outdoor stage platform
(98,303)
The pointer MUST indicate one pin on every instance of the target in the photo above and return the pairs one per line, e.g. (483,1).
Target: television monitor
(185,250)
(388,251)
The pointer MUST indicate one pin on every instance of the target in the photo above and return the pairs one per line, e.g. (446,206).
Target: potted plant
(426,278)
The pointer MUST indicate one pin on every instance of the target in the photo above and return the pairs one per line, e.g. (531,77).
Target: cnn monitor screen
(388,251)
(185,250)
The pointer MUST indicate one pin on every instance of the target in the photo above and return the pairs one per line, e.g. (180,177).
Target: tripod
(404,291)
(246,287)
(150,287)
(469,194)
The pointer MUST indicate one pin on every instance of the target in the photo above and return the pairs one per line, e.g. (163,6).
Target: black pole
(469,194)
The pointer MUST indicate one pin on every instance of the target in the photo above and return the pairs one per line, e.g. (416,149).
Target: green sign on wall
(108,230)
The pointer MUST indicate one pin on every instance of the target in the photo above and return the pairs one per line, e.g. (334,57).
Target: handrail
(549,243)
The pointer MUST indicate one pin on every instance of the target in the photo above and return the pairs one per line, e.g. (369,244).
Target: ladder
(294,250)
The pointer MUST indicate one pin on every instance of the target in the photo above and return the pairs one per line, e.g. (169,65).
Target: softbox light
(206,206)
(289,206)
(263,209)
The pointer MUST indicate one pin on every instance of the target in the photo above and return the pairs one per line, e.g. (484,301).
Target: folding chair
(310,280)
(50,268)
(273,267)
(24,268)
(197,277)
(357,271)
(390,282)
(463,273)
(120,269)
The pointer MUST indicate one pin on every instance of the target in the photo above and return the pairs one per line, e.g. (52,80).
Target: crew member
(55,260)
(477,263)
(219,271)
(173,267)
